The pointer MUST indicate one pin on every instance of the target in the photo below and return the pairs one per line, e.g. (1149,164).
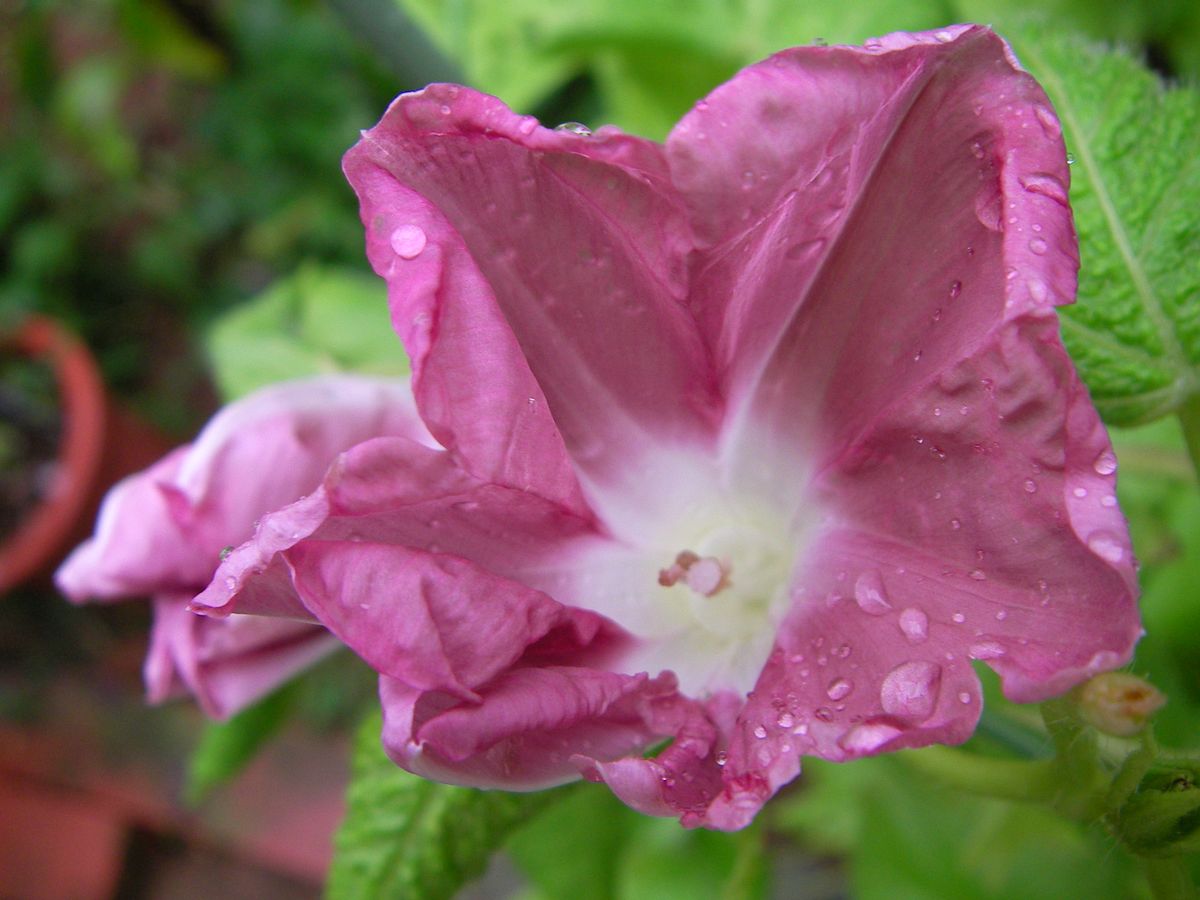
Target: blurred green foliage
(161,160)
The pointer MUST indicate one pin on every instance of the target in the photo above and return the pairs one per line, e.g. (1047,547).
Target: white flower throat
(700,574)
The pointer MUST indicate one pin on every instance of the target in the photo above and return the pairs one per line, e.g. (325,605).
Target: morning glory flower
(750,442)
(160,533)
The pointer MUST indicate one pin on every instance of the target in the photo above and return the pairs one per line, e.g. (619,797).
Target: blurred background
(170,193)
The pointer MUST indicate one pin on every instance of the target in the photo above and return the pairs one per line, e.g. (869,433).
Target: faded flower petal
(753,441)
(161,532)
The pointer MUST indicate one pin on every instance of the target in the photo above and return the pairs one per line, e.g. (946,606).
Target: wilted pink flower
(752,441)
(161,532)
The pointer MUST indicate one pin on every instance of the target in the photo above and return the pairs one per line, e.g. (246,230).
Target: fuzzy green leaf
(1135,189)
(405,837)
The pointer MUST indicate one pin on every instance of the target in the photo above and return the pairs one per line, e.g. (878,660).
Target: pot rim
(42,533)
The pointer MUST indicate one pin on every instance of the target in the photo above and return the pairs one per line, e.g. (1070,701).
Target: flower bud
(1119,704)
(1162,818)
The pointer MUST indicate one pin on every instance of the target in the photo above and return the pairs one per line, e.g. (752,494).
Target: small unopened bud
(1119,704)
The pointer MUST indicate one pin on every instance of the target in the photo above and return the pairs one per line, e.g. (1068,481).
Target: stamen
(705,575)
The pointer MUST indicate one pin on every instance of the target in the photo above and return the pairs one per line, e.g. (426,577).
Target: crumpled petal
(161,532)
(226,664)
(164,529)
(515,338)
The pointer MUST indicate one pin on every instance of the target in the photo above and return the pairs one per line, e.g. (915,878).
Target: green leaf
(405,837)
(503,47)
(317,321)
(1135,332)
(572,848)
(225,748)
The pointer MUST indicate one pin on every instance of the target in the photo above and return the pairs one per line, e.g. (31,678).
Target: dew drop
(1030,486)
(911,689)
(977,575)
(721,758)
(870,595)
(574,128)
(528,124)
(839,688)
(824,713)
(1046,185)
(1070,159)
(785,720)
(985,650)
(915,625)
(964,697)
(1108,500)
(1037,288)
(944,37)
(760,732)
(1001,615)
(1105,464)
(1080,492)
(955,288)
(958,618)
(867,737)
(407,241)
(1048,120)
(1038,246)
(804,249)
(1107,546)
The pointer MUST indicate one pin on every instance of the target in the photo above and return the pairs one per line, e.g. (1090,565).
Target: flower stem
(747,874)
(1189,419)
(1009,779)
(1169,878)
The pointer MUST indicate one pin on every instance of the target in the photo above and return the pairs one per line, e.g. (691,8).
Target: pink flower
(160,533)
(752,441)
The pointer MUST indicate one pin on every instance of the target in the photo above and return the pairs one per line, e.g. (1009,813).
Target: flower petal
(527,727)
(435,622)
(397,492)
(499,323)
(917,182)
(997,480)
(164,529)
(227,664)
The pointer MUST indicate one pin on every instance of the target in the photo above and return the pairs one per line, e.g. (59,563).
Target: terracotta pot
(100,443)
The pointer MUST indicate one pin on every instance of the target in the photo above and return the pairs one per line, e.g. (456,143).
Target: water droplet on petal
(528,124)
(1030,486)
(1105,464)
(1038,246)
(911,689)
(977,575)
(1037,290)
(915,625)
(955,288)
(986,650)
(944,37)
(1108,500)
(804,249)
(1070,159)
(867,737)
(1049,121)
(1107,546)
(407,241)
(870,595)
(1046,185)
(958,618)
(824,713)
(574,128)
(760,732)
(964,697)
(1080,492)
(785,720)
(839,688)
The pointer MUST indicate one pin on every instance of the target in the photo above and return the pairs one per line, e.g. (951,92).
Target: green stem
(1169,878)
(1009,779)
(746,876)
(1189,419)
